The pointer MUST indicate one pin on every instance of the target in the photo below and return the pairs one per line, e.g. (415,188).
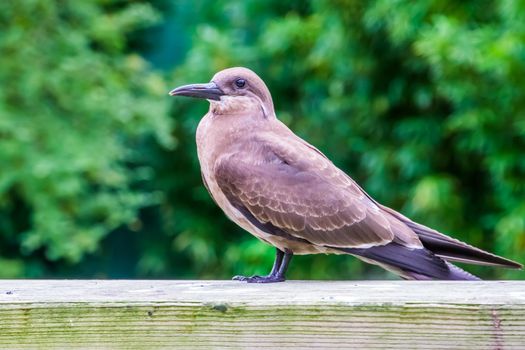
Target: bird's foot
(259,279)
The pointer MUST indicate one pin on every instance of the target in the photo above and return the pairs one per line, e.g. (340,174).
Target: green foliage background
(423,103)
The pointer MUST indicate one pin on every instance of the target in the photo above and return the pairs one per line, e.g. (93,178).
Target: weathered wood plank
(224,314)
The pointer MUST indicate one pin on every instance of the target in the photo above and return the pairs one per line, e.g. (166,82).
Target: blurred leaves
(73,103)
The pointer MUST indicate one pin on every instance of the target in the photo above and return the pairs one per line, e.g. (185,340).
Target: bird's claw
(259,279)
(241,278)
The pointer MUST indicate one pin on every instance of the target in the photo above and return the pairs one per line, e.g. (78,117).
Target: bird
(288,194)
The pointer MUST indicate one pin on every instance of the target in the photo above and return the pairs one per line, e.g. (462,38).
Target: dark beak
(208,91)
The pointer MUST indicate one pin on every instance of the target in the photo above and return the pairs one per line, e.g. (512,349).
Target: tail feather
(452,249)
(462,274)
(455,250)
(411,263)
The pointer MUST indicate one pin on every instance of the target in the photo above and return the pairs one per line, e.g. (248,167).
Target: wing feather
(303,194)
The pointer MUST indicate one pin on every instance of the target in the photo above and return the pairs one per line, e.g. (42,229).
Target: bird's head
(231,90)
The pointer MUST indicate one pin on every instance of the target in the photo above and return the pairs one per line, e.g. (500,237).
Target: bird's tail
(452,249)
(411,263)
(456,274)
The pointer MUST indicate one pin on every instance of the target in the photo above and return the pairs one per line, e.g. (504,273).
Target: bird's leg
(279,268)
(277,262)
(284,265)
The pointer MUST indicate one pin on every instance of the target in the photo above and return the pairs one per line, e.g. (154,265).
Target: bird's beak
(208,91)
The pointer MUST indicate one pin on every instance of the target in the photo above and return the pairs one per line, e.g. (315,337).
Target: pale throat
(232,104)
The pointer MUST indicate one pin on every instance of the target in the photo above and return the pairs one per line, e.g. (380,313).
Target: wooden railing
(78,314)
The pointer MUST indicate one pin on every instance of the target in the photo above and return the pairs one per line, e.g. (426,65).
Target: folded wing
(305,195)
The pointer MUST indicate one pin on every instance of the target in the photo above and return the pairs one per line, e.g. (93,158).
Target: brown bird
(288,194)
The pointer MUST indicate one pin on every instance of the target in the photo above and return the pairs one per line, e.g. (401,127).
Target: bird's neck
(218,133)
(230,105)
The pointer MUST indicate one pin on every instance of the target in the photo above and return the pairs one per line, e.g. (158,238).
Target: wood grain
(122,314)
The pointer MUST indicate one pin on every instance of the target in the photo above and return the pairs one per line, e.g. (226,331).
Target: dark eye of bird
(240,83)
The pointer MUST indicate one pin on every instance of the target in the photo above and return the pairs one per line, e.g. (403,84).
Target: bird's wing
(292,187)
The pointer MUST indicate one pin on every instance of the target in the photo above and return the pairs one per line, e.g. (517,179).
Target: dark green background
(422,102)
